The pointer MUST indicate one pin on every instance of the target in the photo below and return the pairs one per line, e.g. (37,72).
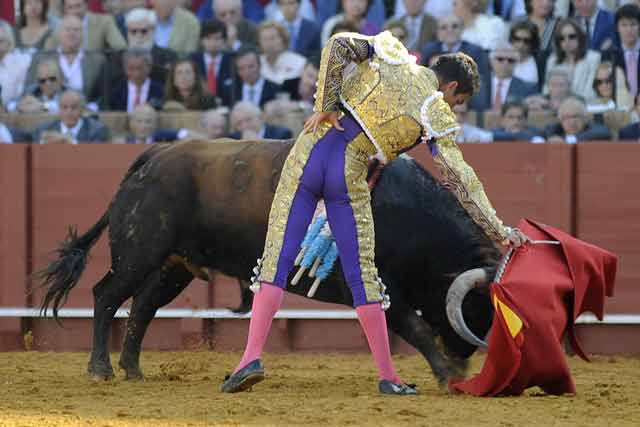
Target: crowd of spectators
(249,67)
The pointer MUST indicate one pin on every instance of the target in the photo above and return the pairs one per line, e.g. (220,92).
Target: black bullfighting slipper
(399,389)
(244,379)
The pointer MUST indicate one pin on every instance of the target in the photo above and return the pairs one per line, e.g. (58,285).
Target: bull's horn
(458,290)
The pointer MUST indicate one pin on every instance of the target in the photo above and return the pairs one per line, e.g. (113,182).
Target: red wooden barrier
(13,239)
(608,215)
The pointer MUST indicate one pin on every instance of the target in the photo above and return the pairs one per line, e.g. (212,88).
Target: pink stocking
(374,324)
(265,305)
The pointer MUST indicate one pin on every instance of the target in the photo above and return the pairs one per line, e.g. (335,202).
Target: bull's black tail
(63,274)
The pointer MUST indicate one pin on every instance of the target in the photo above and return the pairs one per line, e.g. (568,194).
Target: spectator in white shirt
(276,62)
(13,65)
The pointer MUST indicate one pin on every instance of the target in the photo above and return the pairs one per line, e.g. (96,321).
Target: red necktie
(211,77)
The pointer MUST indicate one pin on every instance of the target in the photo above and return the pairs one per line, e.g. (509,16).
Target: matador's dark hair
(458,67)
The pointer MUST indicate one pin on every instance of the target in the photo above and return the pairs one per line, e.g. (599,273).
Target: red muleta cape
(542,291)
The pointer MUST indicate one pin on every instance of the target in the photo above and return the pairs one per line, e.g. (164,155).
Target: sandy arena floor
(51,389)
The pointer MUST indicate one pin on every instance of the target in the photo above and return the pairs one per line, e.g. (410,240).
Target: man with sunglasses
(44,95)
(502,84)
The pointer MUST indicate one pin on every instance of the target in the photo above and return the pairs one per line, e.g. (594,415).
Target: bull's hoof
(131,371)
(133,374)
(100,372)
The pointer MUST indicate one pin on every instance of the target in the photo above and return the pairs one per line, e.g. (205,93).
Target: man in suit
(574,125)
(100,31)
(627,56)
(597,23)
(495,90)
(248,84)
(420,25)
(304,35)
(449,40)
(177,29)
(214,61)
(514,127)
(82,70)
(138,88)
(247,123)
(239,30)
(71,127)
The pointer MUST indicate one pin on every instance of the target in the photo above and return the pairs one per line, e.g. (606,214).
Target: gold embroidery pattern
(468,188)
(355,172)
(341,49)
(283,199)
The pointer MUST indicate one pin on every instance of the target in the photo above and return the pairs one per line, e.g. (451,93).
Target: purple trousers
(332,167)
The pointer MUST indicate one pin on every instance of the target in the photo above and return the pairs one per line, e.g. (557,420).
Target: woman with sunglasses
(524,38)
(571,52)
(610,89)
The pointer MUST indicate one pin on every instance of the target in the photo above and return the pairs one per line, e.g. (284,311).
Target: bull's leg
(405,322)
(108,295)
(246,297)
(160,288)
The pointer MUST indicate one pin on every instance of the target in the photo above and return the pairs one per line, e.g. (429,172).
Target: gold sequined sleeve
(464,183)
(341,49)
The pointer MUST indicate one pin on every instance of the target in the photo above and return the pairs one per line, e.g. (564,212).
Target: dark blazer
(631,131)
(231,91)
(161,60)
(92,131)
(592,132)
(526,134)
(605,28)
(120,96)
(307,41)
(517,89)
(226,67)
(270,132)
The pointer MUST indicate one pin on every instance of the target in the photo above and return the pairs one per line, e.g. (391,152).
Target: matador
(372,99)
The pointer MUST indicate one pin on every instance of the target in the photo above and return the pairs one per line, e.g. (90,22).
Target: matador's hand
(316,119)
(517,238)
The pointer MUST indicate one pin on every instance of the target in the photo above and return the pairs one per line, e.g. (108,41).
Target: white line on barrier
(219,313)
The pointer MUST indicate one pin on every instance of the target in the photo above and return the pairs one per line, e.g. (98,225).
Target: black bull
(187,207)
